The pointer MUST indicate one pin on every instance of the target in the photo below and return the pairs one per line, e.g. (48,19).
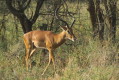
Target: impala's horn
(73,22)
(59,18)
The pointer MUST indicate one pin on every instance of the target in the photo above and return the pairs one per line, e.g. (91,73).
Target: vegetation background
(94,56)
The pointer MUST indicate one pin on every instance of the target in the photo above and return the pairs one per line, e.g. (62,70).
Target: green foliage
(3,7)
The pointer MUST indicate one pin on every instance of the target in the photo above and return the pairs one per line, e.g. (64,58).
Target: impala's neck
(60,38)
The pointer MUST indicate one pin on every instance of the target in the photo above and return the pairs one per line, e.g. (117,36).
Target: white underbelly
(40,45)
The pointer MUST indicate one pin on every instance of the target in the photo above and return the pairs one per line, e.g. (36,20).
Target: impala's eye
(69,32)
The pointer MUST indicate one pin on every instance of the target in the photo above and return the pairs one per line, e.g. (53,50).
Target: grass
(91,62)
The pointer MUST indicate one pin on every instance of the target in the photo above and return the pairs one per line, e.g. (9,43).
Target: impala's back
(38,38)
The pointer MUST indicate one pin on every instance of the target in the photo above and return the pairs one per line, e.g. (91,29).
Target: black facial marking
(69,32)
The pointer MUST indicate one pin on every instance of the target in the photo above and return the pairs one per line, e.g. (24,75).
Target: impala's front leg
(51,58)
(28,49)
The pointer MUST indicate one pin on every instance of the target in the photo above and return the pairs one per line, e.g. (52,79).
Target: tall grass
(96,62)
(87,61)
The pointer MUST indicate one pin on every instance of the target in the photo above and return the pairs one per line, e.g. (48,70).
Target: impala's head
(68,30)
(69,33)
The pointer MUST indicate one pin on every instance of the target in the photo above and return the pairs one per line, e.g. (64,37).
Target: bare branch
(52,13)
(73,22)
(56,14)
(69,13)
(39,4)
(11,8)
(26,5)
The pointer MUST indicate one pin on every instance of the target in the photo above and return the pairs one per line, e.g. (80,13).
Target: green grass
(91,62)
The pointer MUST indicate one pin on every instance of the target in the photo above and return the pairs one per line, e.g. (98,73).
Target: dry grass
(91,62)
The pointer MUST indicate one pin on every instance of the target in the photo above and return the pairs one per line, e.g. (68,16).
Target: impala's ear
(64,28)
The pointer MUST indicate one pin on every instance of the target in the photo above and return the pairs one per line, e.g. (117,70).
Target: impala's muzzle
(74,39)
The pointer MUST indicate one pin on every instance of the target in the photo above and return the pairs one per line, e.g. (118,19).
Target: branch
(11,8)
(26,5)
(69,13)
(38,7)
(52,13)
(57,16)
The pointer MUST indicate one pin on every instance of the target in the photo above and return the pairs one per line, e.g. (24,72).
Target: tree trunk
(97,20)
(111,7)
(26,25)
(100,20)
(20,13)
(113,21)
(92,11)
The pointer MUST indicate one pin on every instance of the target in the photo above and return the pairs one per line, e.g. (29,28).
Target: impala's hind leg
(28,50)
(27,57)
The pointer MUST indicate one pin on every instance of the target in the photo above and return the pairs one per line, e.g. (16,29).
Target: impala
(46,40)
